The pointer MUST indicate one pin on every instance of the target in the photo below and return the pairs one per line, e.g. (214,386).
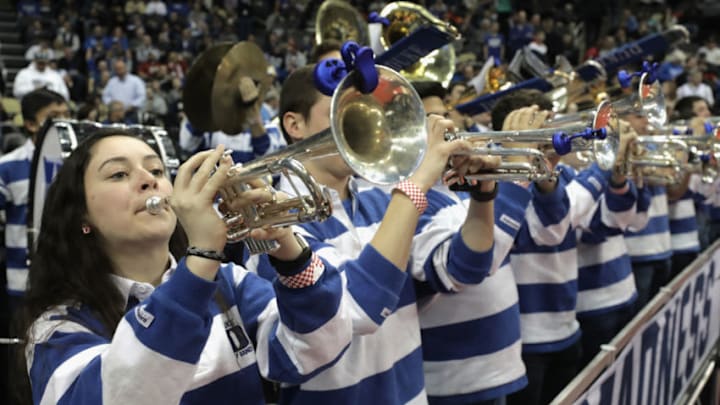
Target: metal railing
(608,352)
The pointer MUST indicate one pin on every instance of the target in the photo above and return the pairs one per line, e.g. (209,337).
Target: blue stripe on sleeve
(465,265)
(535,297)
(374,282)
(553,207)
(87,388)
(180,308)
(593,180)
(260,144)
(621,202)
(15,170)
(450,342)
(309,307)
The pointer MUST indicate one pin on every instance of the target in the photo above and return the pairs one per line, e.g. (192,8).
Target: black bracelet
(207,254)
(483,196)
(293,267)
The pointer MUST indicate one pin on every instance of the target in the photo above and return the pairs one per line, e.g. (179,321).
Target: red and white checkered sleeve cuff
(307,277)
(414,193)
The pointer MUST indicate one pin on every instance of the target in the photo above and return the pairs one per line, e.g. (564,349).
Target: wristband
(290,268)
(207,254)
(414,193)
(484,196)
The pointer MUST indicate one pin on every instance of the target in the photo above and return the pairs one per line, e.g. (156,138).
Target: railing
(608,352)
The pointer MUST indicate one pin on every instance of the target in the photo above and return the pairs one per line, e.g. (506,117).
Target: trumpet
(599,137)
(377,136)
(657,159)
(703,155)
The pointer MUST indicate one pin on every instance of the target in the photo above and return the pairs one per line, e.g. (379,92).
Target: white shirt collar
(137,289)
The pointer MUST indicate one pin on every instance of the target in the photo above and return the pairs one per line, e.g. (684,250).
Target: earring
(85,229)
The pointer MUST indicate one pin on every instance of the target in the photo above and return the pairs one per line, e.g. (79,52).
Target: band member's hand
(438,152)
(196,185)
(462,166)
(697,124)
(625,147)
(525,118)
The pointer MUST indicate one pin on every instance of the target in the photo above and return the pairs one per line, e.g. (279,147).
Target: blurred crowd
(125,61)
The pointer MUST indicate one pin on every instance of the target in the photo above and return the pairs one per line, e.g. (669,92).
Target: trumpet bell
(605,150)
(381,135)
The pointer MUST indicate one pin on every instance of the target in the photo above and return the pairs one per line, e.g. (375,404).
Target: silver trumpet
(598,136)
(657,159)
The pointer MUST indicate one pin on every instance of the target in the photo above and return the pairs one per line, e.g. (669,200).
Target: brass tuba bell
(339,21)
(406,17)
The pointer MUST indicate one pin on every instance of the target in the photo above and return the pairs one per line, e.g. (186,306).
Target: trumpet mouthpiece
(156,204)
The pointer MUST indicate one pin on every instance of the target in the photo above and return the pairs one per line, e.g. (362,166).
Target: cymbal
(198,87)
(229,111)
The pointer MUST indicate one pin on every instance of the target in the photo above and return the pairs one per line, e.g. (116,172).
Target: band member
(259,139)
(650,248)
(37,106)
(370,236)
(112,317)
(544,261)
(471,339)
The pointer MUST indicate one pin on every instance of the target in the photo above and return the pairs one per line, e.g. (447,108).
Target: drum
(56,141)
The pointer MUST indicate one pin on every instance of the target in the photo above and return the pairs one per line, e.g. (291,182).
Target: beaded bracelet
(207,254)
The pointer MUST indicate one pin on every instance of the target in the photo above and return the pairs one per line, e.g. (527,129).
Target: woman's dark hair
(69,267)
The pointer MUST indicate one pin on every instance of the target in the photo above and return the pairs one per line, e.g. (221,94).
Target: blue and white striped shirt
(178,346)
(684,236)
(544,258)
(245,147)
(471,340)
(14,192)
(605,278)
(653,241)
(384,362)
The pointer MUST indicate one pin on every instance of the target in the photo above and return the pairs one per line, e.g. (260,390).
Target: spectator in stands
(39,75)
(521,32)
(155,108)
(125,87)
(42,46)
(696,87)
(494,44)
(116,113)
(145,49)
(156,7)
(538,46)
(134,7)
(711,52)
(294,58)
(67,36)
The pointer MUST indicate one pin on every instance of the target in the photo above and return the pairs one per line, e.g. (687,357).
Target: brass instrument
(338,20)
(211,95)
(704,152)
(657,159)
(599,136)
(406,17)
(378,137)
